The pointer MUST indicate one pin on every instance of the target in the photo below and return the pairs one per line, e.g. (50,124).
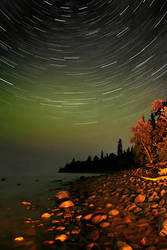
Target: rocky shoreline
(118,211)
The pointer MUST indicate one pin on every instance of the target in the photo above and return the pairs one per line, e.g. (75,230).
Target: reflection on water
(16,216)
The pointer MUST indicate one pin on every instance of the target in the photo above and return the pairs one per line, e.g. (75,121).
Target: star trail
(76,75)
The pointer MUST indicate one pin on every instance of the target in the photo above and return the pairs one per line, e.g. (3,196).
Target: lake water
(27,187)
(37,190)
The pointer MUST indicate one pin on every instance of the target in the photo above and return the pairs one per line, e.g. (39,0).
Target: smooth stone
(131,207)
(137,210)
(162,202)
(62,195)
(98,218)
(94,235)
(162,210)
(88,217)
(163,228)
(46,216)
(123,246)
(154,205)
(113,212)
(104,224)
(162,192)
(92,246)
(61,237)
(108,205)
(66,204)
(140,198)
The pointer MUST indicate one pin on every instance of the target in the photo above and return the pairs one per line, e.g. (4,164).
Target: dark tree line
(150,147)
(105,163)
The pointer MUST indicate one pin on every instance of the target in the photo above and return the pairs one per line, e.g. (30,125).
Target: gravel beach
(118,211)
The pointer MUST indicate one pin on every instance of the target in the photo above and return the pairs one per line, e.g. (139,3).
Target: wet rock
(108,205)
(113,212)
(88,217)
(123,246)
(62,195)
(163,228)
(162,210)
(155,212)
(46,216)
(162,192)
(153,197)
(137,210)
(66,204)
(155,205)
(98,218)
(92,197)
(162,202)
(127,220)
(92,246)
(19,239)
(139,190)
(140,198)
(104,224)
(131,207)
(61,237)
(60,228)
(48,242)
(94,235)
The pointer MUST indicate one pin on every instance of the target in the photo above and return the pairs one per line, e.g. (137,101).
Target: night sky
(76,75)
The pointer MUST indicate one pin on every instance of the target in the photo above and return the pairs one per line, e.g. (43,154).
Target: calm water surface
(36,189)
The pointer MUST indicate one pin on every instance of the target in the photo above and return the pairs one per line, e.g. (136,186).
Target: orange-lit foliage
(150,138)
(142,136)
(157,104)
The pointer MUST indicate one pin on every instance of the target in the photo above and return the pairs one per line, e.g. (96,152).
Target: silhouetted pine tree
(102,154)
(120,148)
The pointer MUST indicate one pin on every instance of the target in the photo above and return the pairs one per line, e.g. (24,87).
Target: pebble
(61,237)
(104,224)
(140,198)
(123,246)
(62,195)
(163,229)
(88,217)
(94,235)
(66,204)
(113,212)
(108,205)
(98,218)
(126,210)
(162,192)
(46,216)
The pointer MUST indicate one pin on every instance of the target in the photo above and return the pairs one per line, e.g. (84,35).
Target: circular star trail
(78,74)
